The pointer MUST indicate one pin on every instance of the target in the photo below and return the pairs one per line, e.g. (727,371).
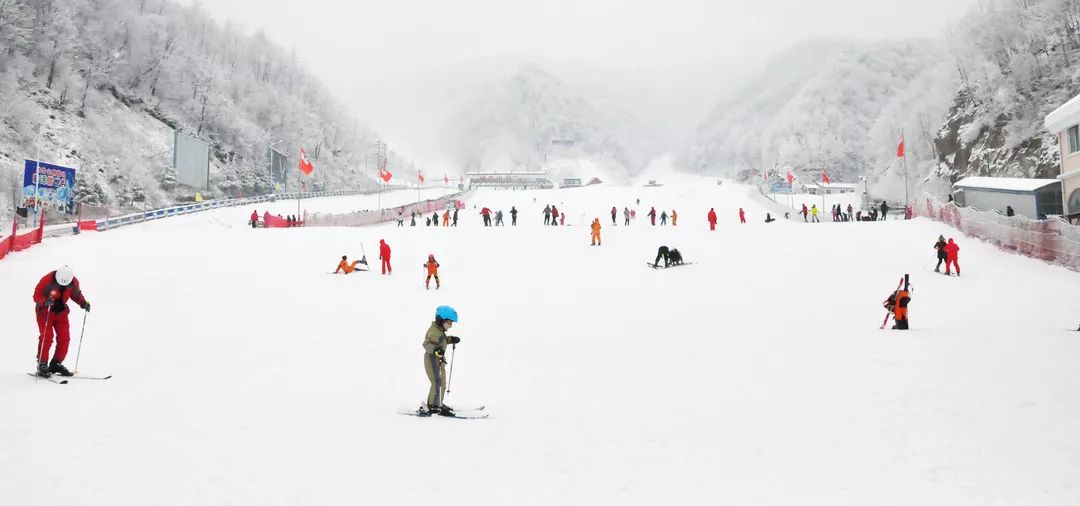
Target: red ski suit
(952,250)
(50,322)
(712,219)
(384,255)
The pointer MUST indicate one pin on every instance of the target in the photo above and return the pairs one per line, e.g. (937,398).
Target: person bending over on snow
(346,267)
(435,342)
(664,253)
(432,268)
(675,257)
(50,306)
(941,255)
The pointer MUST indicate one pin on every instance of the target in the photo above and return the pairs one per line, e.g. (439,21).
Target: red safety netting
(1053,240)
(362,218)
(17,242)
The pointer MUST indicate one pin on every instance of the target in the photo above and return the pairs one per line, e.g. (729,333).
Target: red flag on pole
(825,177)
(790,177)
(305,166)
(384,174)
(900,147)
(420,176)
(445,178)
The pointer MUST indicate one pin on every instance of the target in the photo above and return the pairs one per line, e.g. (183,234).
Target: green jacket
(435,339)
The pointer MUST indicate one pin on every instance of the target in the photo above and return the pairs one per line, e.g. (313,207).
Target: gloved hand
(439,355)
(47,304)
(85,306)
(453,339)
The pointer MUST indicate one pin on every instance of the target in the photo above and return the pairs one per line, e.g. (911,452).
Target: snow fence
(1053,240)
(17,242)
(375,217)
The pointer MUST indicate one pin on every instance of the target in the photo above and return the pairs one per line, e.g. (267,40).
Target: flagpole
(903,160)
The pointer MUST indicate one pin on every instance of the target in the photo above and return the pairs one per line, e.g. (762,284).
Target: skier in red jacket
(50,306)
(952,250)
(384,255)
(652,216)
(254,219)
(712,219)
(742,216)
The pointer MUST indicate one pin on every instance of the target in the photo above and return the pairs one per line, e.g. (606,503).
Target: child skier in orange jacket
(432,271)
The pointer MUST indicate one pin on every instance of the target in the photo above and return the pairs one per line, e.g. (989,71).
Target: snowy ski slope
(246,374)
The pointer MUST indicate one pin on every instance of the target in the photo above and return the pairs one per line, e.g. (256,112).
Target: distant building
(828,188)
(571,183)
(509,180)
(1065,124)
(593,181)
(1033,198)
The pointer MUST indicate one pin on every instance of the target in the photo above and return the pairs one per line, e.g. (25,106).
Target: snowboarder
(813,214)
(663,218)
(652,216)
(626,216)
(346,267)
(432,268)
(50,306)
(941,255)
(614,214)
(513,216)
(547,214)
(435,342)
(254,218)
(384,255)
(674,218)
(596,231)
(952,251)
(712,219)
(742,215)
(884,210)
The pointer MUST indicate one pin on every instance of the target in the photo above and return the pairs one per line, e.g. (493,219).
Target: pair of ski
(63,380)
(650,264)
(461,413)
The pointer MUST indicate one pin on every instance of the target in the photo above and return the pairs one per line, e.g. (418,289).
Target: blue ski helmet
(446,313)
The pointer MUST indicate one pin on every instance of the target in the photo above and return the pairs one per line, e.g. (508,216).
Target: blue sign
(780,187)
(55,186)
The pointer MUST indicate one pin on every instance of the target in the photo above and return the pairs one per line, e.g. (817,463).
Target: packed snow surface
(245,373)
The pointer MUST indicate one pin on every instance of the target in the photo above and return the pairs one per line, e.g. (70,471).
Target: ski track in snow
(244,374)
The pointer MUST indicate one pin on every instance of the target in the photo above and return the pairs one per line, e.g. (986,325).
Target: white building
(828,188)
(1065,124)
(1033,198)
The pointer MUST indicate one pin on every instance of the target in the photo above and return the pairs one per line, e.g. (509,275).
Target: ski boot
(444,411)
(58,368)
(43,370)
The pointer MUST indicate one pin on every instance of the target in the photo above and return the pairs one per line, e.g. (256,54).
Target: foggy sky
(402,65)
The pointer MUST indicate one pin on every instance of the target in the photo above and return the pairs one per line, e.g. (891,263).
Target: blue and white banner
(54,185)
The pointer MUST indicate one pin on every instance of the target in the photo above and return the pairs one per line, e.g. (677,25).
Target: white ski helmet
(64,275)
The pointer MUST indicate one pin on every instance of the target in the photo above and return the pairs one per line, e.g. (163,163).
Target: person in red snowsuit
(486,214)
(712,219)
(614,213)
(742,216)
(254,218)
(554,216)
(652,216)
(952,250)
(384,255)
(50,307)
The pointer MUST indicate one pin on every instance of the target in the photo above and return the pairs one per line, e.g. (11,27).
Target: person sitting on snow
(346,267)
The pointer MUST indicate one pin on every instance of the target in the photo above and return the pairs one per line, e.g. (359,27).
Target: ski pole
(41,338)
(82,332)
(453,350)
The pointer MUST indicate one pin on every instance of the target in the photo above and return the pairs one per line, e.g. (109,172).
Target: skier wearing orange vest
(345,266)
(596,232)
(432,268)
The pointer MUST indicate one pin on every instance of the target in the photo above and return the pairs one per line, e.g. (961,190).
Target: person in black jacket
(941,256)
(884,210)
(675,257)
(513,216)
(664,253)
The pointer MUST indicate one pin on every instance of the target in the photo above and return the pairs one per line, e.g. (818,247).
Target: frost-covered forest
(971,103)
(535,119)
(100,85)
